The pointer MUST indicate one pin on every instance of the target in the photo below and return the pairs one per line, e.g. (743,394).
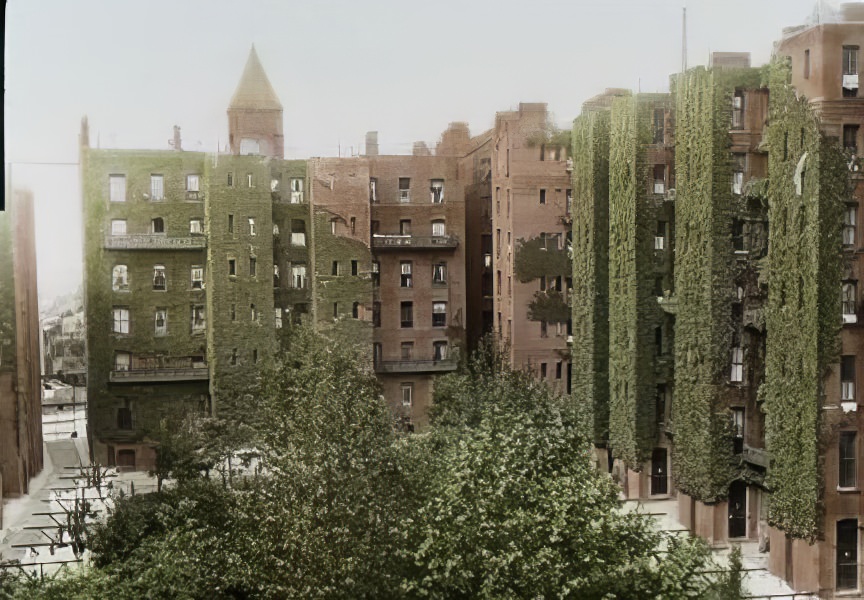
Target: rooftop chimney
(421,149)
(176,143)
(371,143)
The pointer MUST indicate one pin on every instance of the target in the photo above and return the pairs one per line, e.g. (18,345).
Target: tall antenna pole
(684,39)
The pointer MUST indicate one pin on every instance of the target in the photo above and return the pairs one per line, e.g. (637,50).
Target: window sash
(121,320)
(196,226)
(120,277)
(439,228)
(157,187)
(192,182)
(118,227)
(117,188)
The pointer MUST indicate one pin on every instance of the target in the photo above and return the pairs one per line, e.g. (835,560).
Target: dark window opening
(847,554)
(847,464)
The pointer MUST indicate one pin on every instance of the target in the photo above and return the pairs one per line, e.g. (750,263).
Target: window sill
(847,593)
(848,490)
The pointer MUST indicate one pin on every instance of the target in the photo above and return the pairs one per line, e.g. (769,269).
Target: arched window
(157,225)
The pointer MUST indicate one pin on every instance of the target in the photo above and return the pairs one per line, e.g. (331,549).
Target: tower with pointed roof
(255,114)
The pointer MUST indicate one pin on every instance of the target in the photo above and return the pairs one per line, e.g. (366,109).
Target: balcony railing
(154,241)
(149,375)
(414,241)
(416,366)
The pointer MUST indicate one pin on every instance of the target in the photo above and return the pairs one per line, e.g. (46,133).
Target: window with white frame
(298,232)
(252,230)
(847,460)
(439,228)
(121,319)
(439,273)
(298,276)
(122,361)
(373,189)
(160,282)
(250,182)
(659,179)
(737,373)
(161,322)
(850,222)
(405,280)
(197,278)
(120,278)
(738,163)
(436,191)
(407,394)
(404,189)
(196,226)
(439,314)
(850,301)
(199,319)
(738,110)
(296,191)
(850,71)
(277,315)
(117,188)
(157,188)
(275,229)
(118,227)
(660,236)
(439,350)
(847,378)
(192,182)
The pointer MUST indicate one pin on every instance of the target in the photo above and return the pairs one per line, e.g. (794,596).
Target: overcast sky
(343,67)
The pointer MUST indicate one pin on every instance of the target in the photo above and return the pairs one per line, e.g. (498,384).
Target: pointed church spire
(254,90)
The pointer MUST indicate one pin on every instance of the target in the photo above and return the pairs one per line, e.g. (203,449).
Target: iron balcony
(157,375)
(420,242)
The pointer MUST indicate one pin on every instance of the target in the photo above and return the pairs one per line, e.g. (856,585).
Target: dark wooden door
(659,472)
(737,509)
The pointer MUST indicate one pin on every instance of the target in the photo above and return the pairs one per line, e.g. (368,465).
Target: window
(404,189)
(659,179)
(117,188)
(406,351)
(232,267)
(439,314)
(249,181)
(850,138)
(159,280)
(405,227)
(407,394)
(121,319)
(253,266)
(298,276)
(255,356)
(199,322)
(406,314)
(542,196)
(850,71)
(157,187)
(847,378)
(847,554)
(353,225)
(659,125)
(439,350)
(439,228)
(738,236)
(355,269)
(373,189)
(122,361)
(807,64)
(296,191)
(230,179)
(405,277)
(376,314)
(846,461)
(249,146)
(275,229)
(850,302)
(232,312)
(332,226)
(737,373)
(376,273)
(253,313)
(157,225)
(559,368)
(277,317)
(118,227)
(161,322)
(230,223)
(196,226)
(660,236)
(544,329)
(120,278)
(298,232)
(192,183)
(568,202)
(124,421)
(738,110)
(252,226)
(439,274)
(334,270)
(233,359)
(738,429)
(335,310)
(436,191)
(738,162)
(275,275)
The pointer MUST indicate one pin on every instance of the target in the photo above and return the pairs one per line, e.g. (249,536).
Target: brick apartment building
(714,304)
(20,386)
(198,264)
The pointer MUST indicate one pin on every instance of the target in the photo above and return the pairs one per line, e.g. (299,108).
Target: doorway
(738,509)
(659,472)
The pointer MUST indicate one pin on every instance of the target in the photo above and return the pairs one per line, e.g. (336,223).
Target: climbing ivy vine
(808,182)
(590,296)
